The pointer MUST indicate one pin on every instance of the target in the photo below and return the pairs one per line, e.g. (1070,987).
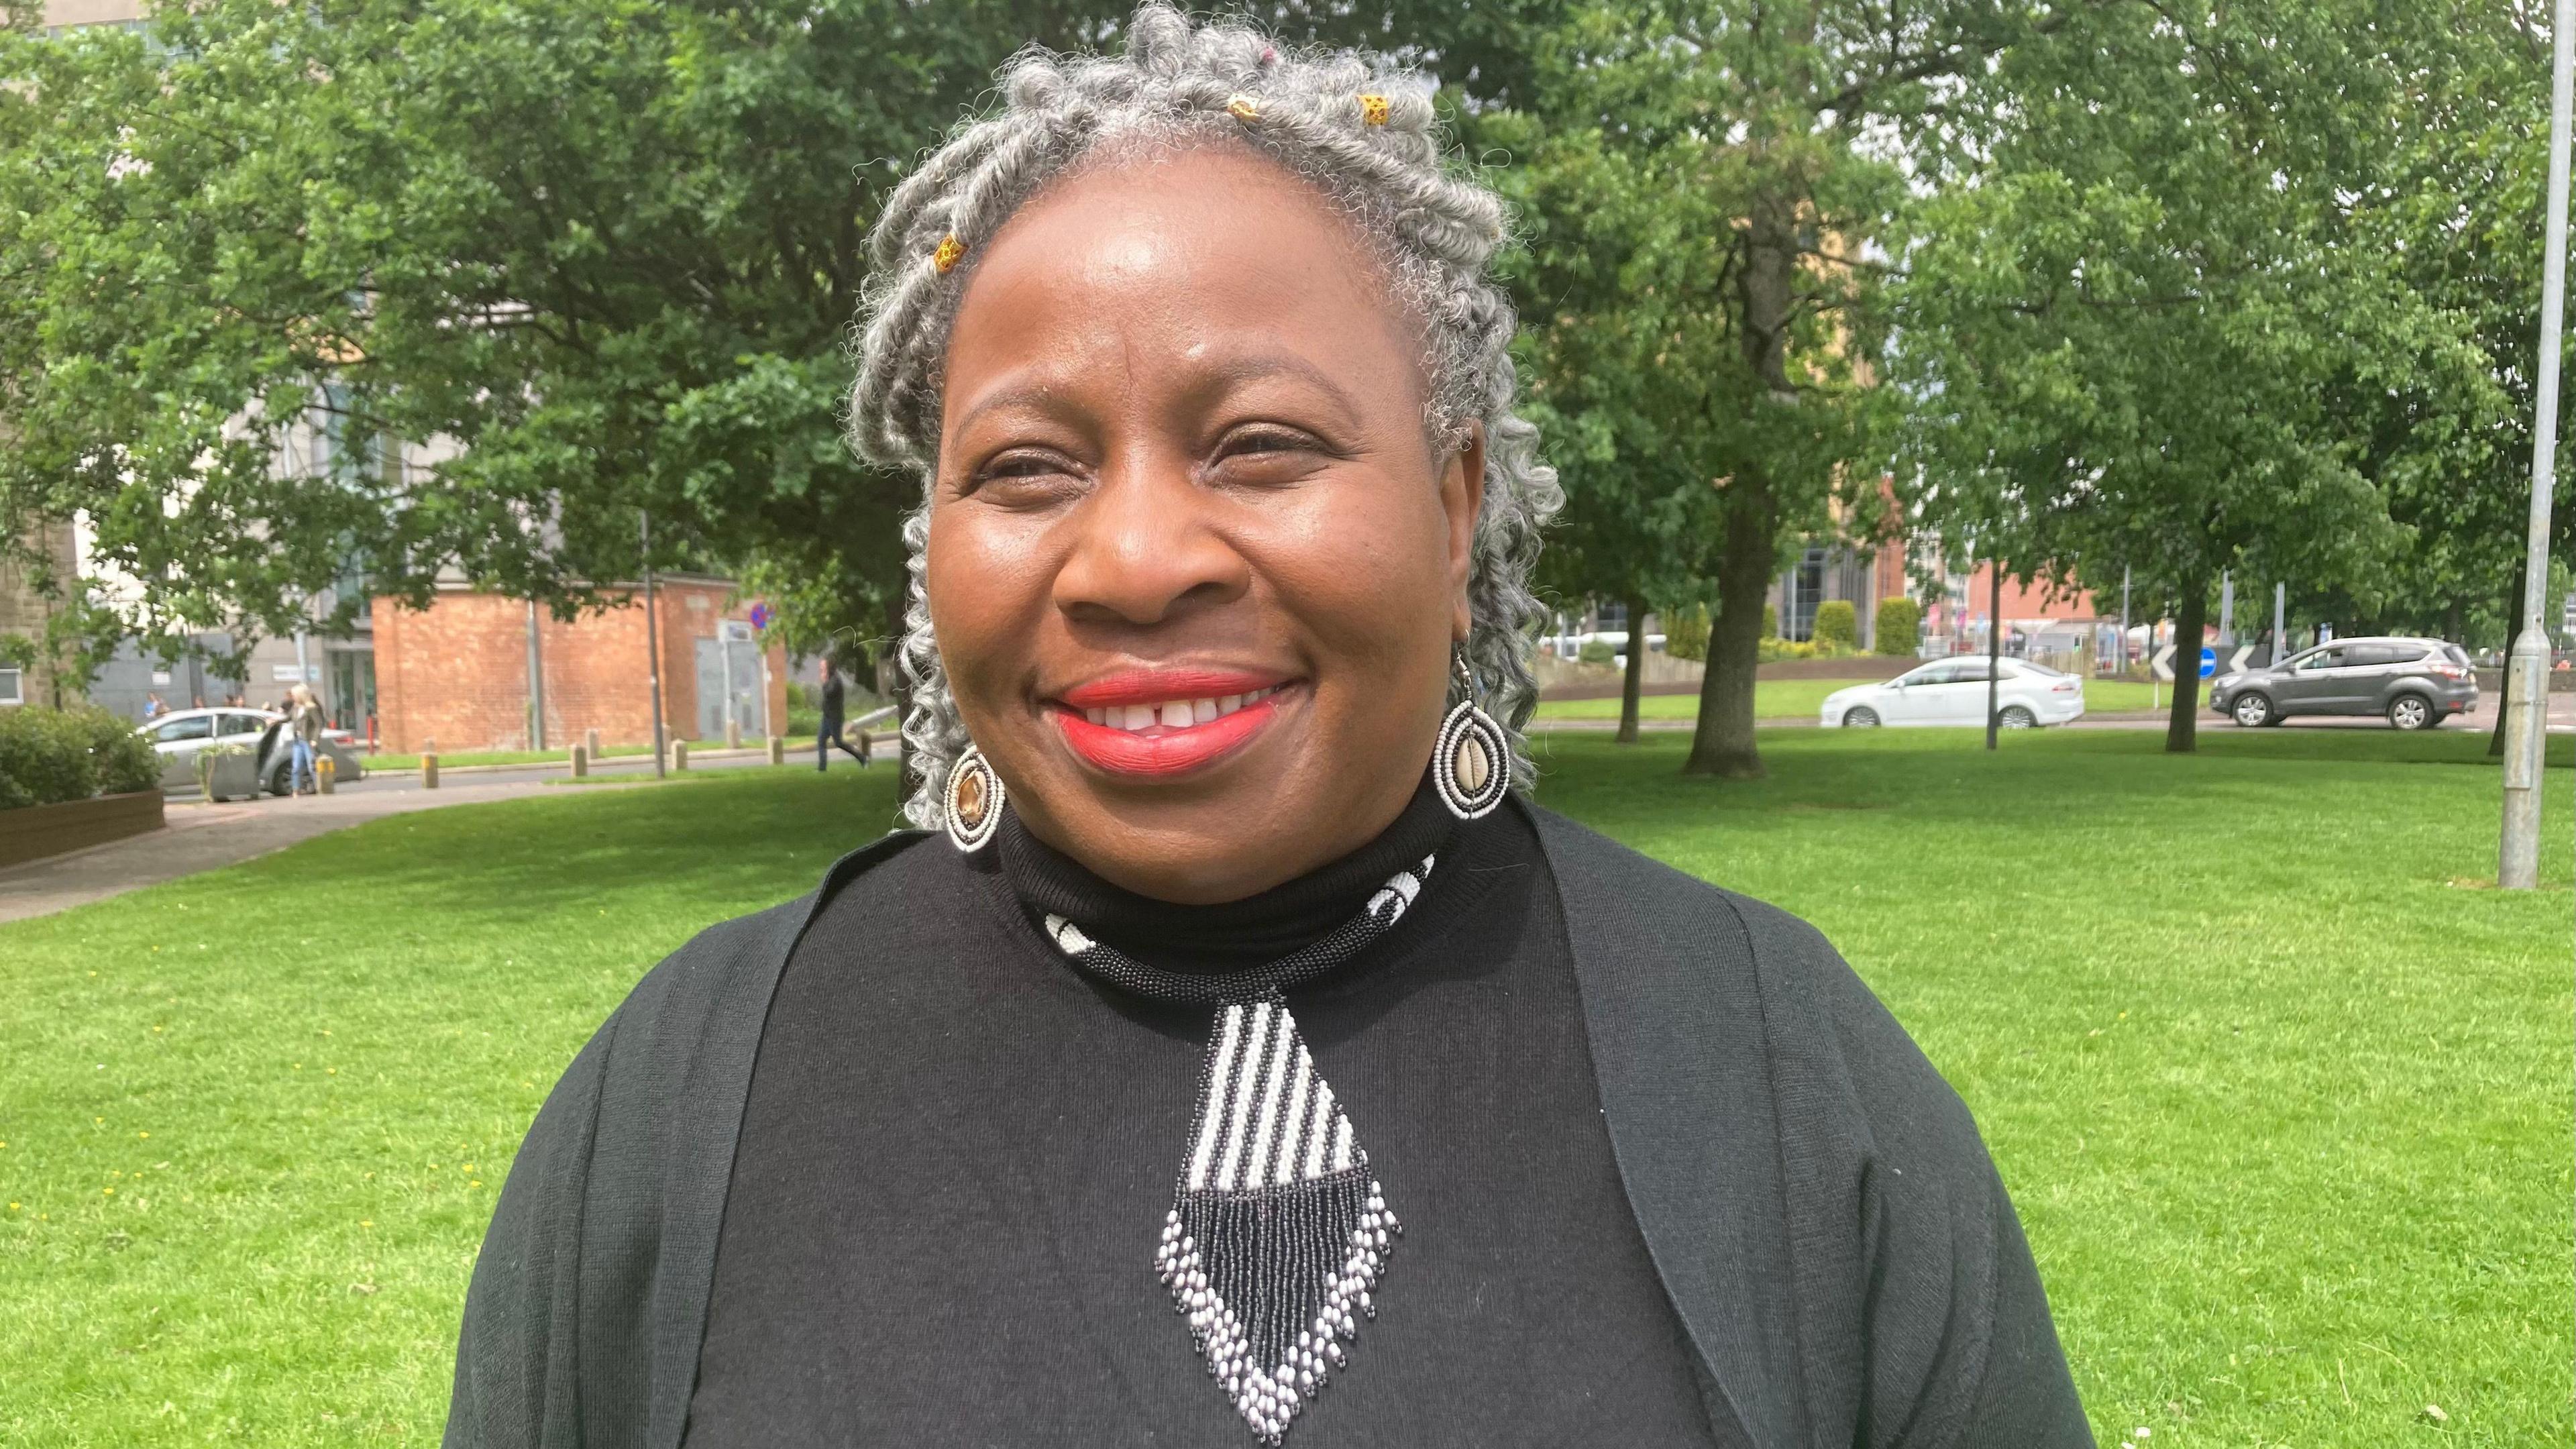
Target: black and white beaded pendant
(1279,1228)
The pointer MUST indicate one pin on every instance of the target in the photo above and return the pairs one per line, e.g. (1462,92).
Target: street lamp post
(652,635)
(2527,679)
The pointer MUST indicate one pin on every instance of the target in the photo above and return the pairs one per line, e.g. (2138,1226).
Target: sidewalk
(204,837)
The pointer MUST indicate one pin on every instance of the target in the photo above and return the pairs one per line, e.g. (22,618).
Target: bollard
(325,772)
(777,750)
(679,756)
(580,763)
(590,742)
(429,769)
(733,734)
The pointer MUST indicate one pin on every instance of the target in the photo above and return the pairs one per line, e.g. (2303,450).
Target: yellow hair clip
(1243,108)
(1374,110)
(950,252)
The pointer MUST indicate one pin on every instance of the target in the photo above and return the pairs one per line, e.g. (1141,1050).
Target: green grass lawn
(2280,1084)
(1802,698)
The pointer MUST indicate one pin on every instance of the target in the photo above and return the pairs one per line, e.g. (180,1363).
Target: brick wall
(457,672)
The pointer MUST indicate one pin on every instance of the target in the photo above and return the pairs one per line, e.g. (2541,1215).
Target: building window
(12,690)
(1806,591)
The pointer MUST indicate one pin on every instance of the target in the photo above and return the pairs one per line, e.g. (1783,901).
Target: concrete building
(73,14)
(477,671)
(24,613)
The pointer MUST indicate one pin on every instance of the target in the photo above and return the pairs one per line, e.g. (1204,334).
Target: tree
(591,259)
(1702,194)
(2139,339)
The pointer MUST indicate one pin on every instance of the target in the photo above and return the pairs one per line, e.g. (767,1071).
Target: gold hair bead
(1243,108)
(1374,110)
(950,252)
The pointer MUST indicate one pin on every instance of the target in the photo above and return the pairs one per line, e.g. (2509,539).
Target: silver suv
(2414,683)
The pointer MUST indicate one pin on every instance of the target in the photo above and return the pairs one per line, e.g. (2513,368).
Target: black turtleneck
(958,1152)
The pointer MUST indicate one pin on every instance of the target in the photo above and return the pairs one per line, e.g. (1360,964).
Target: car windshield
(2032,666)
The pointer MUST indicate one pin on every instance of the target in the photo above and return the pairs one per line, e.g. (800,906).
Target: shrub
(1900,626)
(1838,623)
(50,756)
(1598,651)
(1686,632)
(1770,621)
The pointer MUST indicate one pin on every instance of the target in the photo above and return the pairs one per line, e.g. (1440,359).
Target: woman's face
(1195,561)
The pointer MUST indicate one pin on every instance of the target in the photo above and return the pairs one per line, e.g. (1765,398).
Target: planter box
(42,830)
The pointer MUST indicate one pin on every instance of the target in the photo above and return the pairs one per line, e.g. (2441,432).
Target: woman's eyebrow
(1216,380)
(1225,376)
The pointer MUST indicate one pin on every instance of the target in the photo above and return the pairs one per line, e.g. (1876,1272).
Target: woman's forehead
(1209,261)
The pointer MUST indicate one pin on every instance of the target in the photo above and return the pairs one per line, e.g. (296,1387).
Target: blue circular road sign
(2208,662)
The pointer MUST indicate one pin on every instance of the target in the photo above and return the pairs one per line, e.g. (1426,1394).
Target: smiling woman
(1233,973)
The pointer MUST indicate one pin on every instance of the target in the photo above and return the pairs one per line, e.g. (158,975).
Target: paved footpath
(206,837)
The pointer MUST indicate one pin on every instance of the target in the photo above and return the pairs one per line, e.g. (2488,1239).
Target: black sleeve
(515,1365)
(1936,1293)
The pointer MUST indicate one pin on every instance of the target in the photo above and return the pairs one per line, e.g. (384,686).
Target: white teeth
(1174,714)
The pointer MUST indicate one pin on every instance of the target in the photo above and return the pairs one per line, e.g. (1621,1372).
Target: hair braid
(1434,226)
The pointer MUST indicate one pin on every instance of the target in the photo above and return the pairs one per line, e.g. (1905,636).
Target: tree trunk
(2191,620)
(1634,684)
(2504,685)
(1722,742)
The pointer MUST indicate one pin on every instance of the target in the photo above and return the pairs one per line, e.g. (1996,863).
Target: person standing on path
(153,708)
(833,707)
(304,735)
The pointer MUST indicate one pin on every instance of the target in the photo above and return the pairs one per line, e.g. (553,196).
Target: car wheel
(2411,712)
(1860,718)
(279,781)
(2016,718)
(2253,709)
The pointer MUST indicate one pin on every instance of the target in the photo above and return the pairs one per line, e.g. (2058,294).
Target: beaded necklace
(1278,1231)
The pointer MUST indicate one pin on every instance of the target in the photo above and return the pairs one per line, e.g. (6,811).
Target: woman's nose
(1147,547)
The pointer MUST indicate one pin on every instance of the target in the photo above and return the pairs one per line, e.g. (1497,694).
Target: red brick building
(458,673)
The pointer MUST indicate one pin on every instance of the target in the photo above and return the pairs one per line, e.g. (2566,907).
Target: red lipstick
(1154,747)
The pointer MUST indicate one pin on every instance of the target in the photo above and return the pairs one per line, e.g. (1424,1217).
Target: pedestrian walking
(831,733)
(304,739)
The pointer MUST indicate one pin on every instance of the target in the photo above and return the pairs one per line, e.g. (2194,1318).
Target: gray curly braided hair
(1362,134)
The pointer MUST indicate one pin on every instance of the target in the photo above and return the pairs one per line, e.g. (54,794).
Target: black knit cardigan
(1815,1198)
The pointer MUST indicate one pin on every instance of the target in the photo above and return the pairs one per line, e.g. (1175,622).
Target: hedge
(1837,623)
(1900,626)
(1686,632)
(49,756)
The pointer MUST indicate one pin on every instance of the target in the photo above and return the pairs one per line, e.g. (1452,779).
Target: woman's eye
(1259,442)
(1022,475)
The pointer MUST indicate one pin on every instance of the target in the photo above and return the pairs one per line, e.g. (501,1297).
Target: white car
(1953,692)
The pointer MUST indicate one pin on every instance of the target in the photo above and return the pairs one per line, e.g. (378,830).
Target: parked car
(2414,684)
(178,738)
(1952,691)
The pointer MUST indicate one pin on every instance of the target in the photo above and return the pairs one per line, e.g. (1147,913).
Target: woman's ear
(1462,499)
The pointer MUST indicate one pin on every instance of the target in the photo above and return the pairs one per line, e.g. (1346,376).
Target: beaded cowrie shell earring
(973,802)
(1471,767)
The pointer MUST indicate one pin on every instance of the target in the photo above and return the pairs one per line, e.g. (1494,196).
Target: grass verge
(2280,1085)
